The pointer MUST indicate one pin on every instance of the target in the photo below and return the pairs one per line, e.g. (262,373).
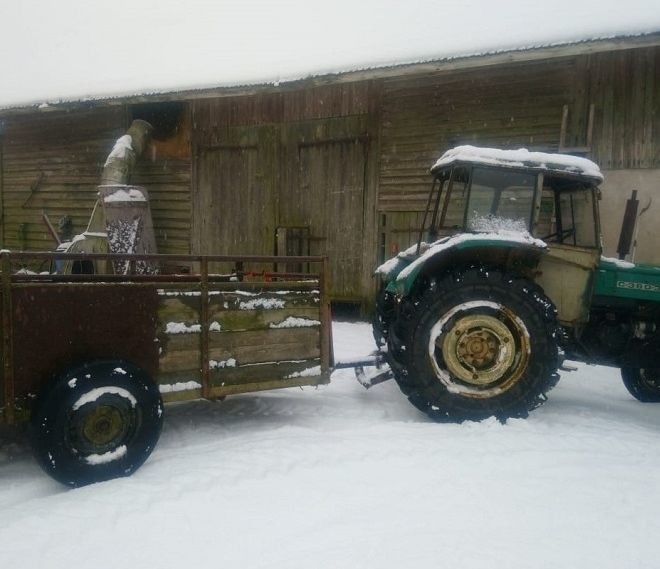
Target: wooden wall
(52,161)
(348,162)
(524,104)
(624,87)
(295,160)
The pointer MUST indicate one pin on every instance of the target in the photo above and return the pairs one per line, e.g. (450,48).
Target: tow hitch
(367,379)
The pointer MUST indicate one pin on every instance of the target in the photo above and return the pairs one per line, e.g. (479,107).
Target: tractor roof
(521,158)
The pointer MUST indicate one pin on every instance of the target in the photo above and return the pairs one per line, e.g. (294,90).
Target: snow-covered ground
(341,477)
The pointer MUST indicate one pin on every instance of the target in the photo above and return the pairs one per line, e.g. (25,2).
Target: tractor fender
(466,247)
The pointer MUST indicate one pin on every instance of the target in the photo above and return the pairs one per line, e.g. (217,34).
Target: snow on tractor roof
(521,158)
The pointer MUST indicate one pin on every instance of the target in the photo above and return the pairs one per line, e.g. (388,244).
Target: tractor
(507,280)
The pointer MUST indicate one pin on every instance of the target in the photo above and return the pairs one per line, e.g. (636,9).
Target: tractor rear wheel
(642,383)
(479,343)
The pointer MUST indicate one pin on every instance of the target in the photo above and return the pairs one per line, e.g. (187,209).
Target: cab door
(568,223)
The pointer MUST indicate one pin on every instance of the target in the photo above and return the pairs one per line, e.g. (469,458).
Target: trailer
(88,360)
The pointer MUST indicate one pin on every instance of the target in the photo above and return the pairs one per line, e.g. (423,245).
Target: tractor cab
(548,197)
(552,197)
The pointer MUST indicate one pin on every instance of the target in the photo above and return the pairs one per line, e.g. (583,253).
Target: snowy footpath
(340,477)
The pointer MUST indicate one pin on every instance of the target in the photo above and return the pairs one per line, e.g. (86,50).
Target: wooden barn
(338,164)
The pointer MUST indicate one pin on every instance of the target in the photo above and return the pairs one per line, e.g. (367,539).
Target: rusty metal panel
(57,326)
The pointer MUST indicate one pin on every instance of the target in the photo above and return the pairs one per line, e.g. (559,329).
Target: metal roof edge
(400,69)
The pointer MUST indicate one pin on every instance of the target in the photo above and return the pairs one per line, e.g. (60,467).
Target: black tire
(95,422)
(450,349)
(383,315)
(642,383)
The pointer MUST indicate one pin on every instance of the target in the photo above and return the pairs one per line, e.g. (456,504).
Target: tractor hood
(627,280)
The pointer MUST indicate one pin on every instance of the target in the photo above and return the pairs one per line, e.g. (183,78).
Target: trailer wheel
(479,343)
(642,383)
(95,422)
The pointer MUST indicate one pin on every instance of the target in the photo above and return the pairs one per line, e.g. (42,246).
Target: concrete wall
(616,189)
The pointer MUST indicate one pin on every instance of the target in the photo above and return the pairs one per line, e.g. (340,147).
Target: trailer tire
(642,383)
(96,421)
(478,343)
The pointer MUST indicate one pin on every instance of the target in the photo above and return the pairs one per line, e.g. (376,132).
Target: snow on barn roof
(76,50)
(520,158)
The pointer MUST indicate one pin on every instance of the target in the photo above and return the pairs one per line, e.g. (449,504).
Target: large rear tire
(478,343)
(642,383)
(95,422)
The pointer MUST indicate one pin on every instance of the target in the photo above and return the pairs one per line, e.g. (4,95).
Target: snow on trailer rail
(198,325)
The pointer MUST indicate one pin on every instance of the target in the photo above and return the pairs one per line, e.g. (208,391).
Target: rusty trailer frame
(116,316)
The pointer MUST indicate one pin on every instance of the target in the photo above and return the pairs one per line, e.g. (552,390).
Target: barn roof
(76,50)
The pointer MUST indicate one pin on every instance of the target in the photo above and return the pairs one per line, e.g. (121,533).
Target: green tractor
(506,280)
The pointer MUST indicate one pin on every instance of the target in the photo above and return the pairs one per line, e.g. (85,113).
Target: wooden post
(7,338)
(204,333)
(327,357)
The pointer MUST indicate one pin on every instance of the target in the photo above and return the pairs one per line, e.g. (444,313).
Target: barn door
(235,209)
(324,191)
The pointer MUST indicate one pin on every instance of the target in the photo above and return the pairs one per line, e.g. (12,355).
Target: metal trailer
(88,359)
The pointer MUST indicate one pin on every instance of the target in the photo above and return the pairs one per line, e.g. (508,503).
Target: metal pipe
(119,165)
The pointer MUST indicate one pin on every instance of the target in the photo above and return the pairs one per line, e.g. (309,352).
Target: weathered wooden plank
(182,351)
(259,346)
(265,300)
(242,320)
(266,384)
(180,307)
(284,370)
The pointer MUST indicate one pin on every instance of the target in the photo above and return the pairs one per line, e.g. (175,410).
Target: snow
(261,303)
(340,477)
(307,372)
(521,158)
(121,148)
(491,223)
(620,263)
(106,457)
(98,392)
(179,386)
(153,46)
(293,322)
(214,364)
(182,328)
(503,235)
(121,195)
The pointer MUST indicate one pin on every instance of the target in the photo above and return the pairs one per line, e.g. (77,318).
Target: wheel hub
(100,427)
(477,349)
(103,425)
